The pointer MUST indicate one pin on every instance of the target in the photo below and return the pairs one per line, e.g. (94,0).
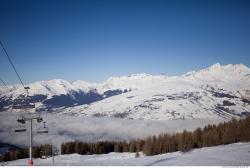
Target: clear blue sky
(93,40)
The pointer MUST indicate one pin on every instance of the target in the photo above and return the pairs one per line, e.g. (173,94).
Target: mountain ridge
(219,90)
(86,86)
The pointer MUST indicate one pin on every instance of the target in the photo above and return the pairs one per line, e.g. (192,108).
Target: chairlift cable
(5,51)
(4,83)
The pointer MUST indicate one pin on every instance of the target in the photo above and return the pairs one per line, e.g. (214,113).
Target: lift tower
(27,115)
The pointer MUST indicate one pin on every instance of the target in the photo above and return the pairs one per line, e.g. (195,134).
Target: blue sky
(93,40)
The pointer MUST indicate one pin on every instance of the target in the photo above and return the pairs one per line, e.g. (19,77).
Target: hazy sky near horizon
(94,39)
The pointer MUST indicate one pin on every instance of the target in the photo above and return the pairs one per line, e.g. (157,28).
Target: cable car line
(5,51)
(4,83)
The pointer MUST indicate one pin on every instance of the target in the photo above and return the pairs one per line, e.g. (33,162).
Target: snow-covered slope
(217,91)
(84,86)
(48,88)
(226,155)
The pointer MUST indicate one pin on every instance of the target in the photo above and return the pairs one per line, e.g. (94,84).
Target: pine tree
(148,147)
(132,147)
(63,149)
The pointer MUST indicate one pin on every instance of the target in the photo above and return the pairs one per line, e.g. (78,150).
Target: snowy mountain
(217,91)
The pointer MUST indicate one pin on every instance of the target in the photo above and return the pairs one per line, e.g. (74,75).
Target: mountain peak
(84,86)
(219,72)
(136,75)
(215,67)
(234,68)
(228,66)
(240,67)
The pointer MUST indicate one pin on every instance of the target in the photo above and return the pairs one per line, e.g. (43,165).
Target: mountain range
(217,91)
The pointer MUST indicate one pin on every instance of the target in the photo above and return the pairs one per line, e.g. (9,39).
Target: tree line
(211,135)
(101,147)
(38,151)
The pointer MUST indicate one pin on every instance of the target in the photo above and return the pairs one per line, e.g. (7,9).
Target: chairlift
(43,130)
(20,128)
(22,121)
(26,87)
(40,119)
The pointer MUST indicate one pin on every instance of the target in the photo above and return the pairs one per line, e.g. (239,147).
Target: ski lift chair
(43,130)
(40,119)
(20,127)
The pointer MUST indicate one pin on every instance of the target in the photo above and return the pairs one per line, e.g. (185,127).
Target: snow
(133,82)
(191,99)
(237,154)
(229,72)
(48,88)
(219,73)
(150,95)
(84,86)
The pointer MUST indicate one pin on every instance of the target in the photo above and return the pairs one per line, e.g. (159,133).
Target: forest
(37,152)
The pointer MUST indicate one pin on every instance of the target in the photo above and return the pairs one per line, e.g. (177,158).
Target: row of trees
(211,135)
(42,150)
(101,147)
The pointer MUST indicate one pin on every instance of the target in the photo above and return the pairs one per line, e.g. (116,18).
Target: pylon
(30,162)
